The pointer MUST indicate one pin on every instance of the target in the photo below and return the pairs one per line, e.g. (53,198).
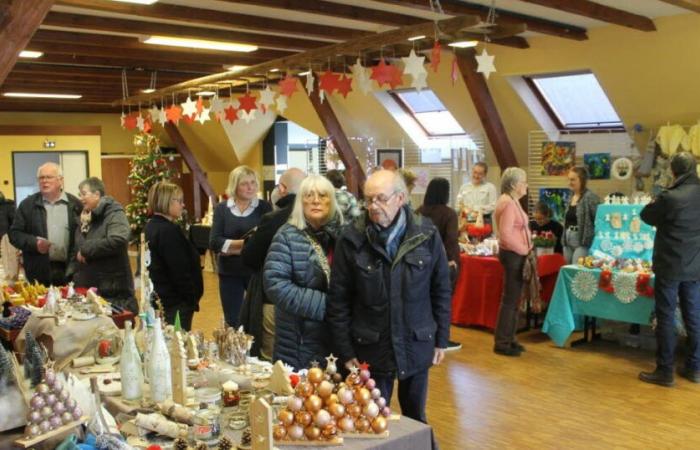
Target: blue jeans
(667,293)
(231,291)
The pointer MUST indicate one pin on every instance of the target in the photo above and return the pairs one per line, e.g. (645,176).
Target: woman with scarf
(102,259)
(297,272)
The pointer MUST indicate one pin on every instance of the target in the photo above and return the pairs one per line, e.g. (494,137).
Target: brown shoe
(660,377)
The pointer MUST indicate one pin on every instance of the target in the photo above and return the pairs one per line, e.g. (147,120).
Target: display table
(565,304)
(477,295)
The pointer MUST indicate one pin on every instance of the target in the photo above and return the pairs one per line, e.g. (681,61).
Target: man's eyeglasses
(379,199)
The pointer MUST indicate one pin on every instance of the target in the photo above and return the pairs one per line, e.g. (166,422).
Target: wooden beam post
(354,175)
(486,108)
(200,178)
(20,21)
(600,12)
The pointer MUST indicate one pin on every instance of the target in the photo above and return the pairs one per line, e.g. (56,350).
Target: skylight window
(429,112)
(575,101)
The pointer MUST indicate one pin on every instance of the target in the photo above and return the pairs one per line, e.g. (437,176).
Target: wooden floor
(550,398)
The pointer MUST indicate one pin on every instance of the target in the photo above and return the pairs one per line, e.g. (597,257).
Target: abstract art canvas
(557,199)
(558,157)
(598,165)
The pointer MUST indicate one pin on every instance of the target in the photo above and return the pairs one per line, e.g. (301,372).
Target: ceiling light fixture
(30,54)
(38,95)
(140,2)
(148,91)
(464,44)
(274,70)
(304,73)
(235,68)
(198,43)
(416,38)
(205,94)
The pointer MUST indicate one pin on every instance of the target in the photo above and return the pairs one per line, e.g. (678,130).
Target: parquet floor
(550,398)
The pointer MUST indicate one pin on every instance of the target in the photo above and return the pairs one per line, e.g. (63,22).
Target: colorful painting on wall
(598,165)
(558,157)
(557,199)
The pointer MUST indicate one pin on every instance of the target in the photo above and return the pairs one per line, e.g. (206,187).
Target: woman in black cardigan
(175,267)
(233,221)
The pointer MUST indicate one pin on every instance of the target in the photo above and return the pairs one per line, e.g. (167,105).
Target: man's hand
(349,364)
(80,258)
(438,356)
(42,245)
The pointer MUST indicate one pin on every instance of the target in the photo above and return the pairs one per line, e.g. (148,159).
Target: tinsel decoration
(34,359)
(148,167)
(584,286)
(625,285)
(7,375)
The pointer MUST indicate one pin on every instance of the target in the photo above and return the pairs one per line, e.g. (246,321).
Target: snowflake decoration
(584,286)
(625,285)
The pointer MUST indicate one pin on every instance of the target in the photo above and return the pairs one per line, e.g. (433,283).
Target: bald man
(44,228)
(253,255)
(389,297)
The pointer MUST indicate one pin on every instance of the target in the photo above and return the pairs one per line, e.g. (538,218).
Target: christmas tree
(148,167)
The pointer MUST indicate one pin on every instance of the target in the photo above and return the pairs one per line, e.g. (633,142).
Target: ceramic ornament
(485,63)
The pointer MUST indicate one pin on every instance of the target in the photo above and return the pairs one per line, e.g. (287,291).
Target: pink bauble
(371,410)
(371,384)
(59,408)
(322,418)
(345,396)
(71,404)
(34,417)
(381,402)
(386,411)
(295,432)
(57,385)
(346,424)
(37,402)
(51,399)
(55,422)
(50,377)
(77,413)
(376,393)
(364,375)
(294,403)
(45,426)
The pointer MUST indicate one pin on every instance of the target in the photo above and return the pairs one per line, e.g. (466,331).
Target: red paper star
(364,366)
(130,121)
(231,114)
(200,105)
(383,73)
(189,120)
(328,82)
(288,86)
(344,86)
(435,56)
(247,102)
(147,125)
(174,113)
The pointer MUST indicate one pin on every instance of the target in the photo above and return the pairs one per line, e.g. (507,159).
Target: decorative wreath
(622,168)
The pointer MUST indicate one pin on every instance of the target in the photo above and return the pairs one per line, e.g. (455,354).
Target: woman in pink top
(514,244)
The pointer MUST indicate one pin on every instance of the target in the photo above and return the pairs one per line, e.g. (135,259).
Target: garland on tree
(148,167)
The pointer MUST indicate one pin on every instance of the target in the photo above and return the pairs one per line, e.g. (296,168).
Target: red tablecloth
(478,291)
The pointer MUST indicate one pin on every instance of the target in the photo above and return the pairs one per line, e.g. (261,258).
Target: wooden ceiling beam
(204,16)
(58,107)
(690,5)
(20,21)
(127,61)
(600,12)
(457,7)
(50,71)
(322,54)
(338,10)
(111,24)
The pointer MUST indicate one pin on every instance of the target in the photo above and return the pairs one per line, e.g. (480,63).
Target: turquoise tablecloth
(560,321)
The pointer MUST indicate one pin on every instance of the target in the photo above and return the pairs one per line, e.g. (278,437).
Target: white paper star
(162,116)
(485,64)
(157,114)
(203,116)
(189,108)
(310,82)
(361,75)
(122,118)
(216,105)
(140,122)
(267,98)
(322,95)
(420,82)
(281,103)
(247,116)
(413,65)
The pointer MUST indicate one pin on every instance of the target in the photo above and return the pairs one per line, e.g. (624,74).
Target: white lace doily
(625,285)
(584,286)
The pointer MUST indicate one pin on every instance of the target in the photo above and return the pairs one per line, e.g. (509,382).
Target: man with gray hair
(389,299)
(676,262)
(44,228)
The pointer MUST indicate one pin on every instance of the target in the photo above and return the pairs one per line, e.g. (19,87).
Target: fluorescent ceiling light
(38,95)
(464,44)
(274,70)
(30,54)
(140,2)
(198,43)
(416,38)
(305,73)
(235,68)
(205,93)
(148,91)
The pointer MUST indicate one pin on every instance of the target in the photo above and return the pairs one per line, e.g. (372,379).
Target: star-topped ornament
(328,82)
(384,73)
(247,103)
(344,86)
(288,85)
(485,62)
(231,114)
(435,56)
(174,113)
(189,108)
(413,66)
(281,104)
(267,98)
(310,82)
(361,75)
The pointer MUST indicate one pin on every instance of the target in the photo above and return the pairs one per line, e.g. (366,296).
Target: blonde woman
(234,219)
(297,274)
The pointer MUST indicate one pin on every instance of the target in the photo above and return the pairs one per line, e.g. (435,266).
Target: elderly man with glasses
(389,299)
(44,228)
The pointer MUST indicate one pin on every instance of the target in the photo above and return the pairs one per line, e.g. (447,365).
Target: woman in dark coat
(102,242)
(297,273)
(175,267)
(7,213)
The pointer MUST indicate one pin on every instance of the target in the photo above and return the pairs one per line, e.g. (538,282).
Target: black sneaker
(660,377)
(453,346)
(690,375)
(518,346)
(509,351)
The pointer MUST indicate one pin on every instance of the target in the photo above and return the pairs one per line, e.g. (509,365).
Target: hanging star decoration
(174,113)
(189,120)
(344,86)
(328,82)
(130,122)
(248,116)
(485,63)
(454,73)
(310,82)
(199,105)
(189,108)
(203,115)
(155,113)
(216,106)
(420,82)
(435,56)
(267,98)
(281,104)
(384,73)
(231,113)
(147,125)
(413,66)
(288,86)
(139,121)
(361,75)
(247,103)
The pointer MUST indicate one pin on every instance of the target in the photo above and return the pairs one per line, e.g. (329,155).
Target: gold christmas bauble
(346,424)
(303,417)
(362,425)
(304,389)
(315,375)
(329,431)
(379,424)
(279,432)
(337,410)
(313,403)
(286,417)
(354,410)
(312,433)
(324,389)
(363,395)
(333,398)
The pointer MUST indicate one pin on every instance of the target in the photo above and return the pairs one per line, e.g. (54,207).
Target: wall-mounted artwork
(558,157)
(598,165)
(557,199)
(390,158)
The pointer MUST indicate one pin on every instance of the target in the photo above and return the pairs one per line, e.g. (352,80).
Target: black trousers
(507,323)
(186,315)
